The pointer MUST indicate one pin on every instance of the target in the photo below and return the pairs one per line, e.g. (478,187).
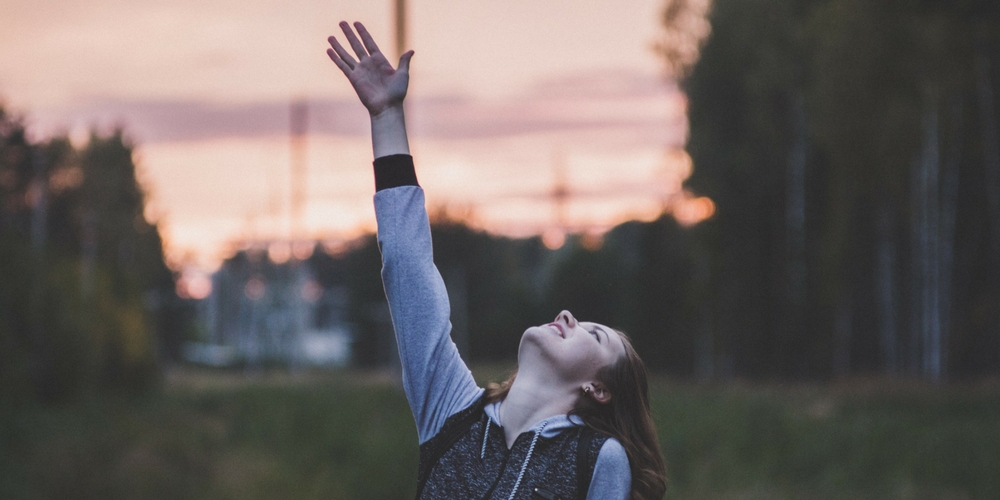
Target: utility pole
(560,191)
(289,344)
(555,236)
(299,124)
(400,19)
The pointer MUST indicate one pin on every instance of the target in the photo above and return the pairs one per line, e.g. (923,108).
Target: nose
(568,318)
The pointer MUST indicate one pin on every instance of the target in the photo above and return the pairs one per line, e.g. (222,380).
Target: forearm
(389,132)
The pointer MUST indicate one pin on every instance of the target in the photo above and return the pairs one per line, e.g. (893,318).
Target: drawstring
(524,466)
(486,434)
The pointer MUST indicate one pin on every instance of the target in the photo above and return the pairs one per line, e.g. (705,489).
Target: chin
(530,336)
(540,334)
(531,339)
(536,343)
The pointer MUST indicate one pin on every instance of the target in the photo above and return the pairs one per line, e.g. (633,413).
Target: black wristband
(394,171)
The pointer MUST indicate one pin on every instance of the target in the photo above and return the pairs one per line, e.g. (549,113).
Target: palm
(378,85)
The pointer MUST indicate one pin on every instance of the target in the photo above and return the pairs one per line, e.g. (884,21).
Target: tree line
(851,148)
(639,278)
(87,303)
(852,151)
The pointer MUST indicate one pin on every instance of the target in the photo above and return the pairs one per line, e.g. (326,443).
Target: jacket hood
(552,425)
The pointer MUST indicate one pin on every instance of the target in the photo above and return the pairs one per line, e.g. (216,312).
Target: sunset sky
(503,96)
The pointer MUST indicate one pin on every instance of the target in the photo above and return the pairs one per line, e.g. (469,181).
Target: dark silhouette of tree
(847,146)
(86,300)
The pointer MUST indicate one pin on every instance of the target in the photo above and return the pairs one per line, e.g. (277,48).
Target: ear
(599,392)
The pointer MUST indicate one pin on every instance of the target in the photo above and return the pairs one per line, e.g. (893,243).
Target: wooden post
(400,27)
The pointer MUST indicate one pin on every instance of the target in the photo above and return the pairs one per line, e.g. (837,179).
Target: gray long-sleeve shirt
(436,380)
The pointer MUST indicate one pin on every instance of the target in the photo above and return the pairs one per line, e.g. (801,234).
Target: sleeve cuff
(394,171)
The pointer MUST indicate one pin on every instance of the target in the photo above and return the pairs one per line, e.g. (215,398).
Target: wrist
(391,112)
(389,132)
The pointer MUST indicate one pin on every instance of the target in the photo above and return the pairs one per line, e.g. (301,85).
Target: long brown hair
(627,417)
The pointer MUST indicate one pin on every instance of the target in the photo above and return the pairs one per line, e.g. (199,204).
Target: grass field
(350,435)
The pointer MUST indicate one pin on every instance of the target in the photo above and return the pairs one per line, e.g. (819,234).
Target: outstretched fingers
(338,61)
(378,85)
(340,56)
(367,39)
(352,39)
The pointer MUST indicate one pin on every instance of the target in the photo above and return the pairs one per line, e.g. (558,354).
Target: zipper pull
(543,494)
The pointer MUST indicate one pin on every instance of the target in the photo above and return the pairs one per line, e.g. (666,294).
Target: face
(571,350)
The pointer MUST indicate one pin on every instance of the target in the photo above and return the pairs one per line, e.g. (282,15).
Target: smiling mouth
(559,329)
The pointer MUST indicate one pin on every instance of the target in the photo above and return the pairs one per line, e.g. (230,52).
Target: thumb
(404,61)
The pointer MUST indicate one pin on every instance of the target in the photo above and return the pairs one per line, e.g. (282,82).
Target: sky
(507,100)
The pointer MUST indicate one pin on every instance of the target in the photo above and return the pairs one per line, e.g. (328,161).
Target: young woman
(575,420)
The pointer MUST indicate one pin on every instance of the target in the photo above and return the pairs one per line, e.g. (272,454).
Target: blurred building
(267,308)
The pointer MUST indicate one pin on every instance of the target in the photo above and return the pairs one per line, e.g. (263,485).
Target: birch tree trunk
(949,202)
(991,151)
(795,223)
(932,202)
(885,282)
(795,205)
(926,259)
(914,338)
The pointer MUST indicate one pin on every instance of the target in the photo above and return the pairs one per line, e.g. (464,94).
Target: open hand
(379,86)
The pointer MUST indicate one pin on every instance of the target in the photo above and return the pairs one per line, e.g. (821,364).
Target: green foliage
(502,279)
(844,441)
(498,275)
(15,365)
(351,435)
(61,344)
(868,92)
(85,295)
(235,440)
(641,280)
(368,309)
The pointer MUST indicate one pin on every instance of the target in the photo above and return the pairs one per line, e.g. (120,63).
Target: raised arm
(436,380)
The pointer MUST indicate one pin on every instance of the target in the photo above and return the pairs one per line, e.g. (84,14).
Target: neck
(530,401)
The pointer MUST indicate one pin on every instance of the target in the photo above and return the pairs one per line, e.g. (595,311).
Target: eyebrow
(607,338)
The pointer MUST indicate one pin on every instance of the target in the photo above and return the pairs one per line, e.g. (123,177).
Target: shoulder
(612,475)
(455,425)
(612,454)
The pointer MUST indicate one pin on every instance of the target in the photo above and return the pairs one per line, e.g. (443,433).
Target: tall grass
(325,437)
(860,440)
(349,435)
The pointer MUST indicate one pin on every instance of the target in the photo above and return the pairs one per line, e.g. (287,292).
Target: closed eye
(593,331)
